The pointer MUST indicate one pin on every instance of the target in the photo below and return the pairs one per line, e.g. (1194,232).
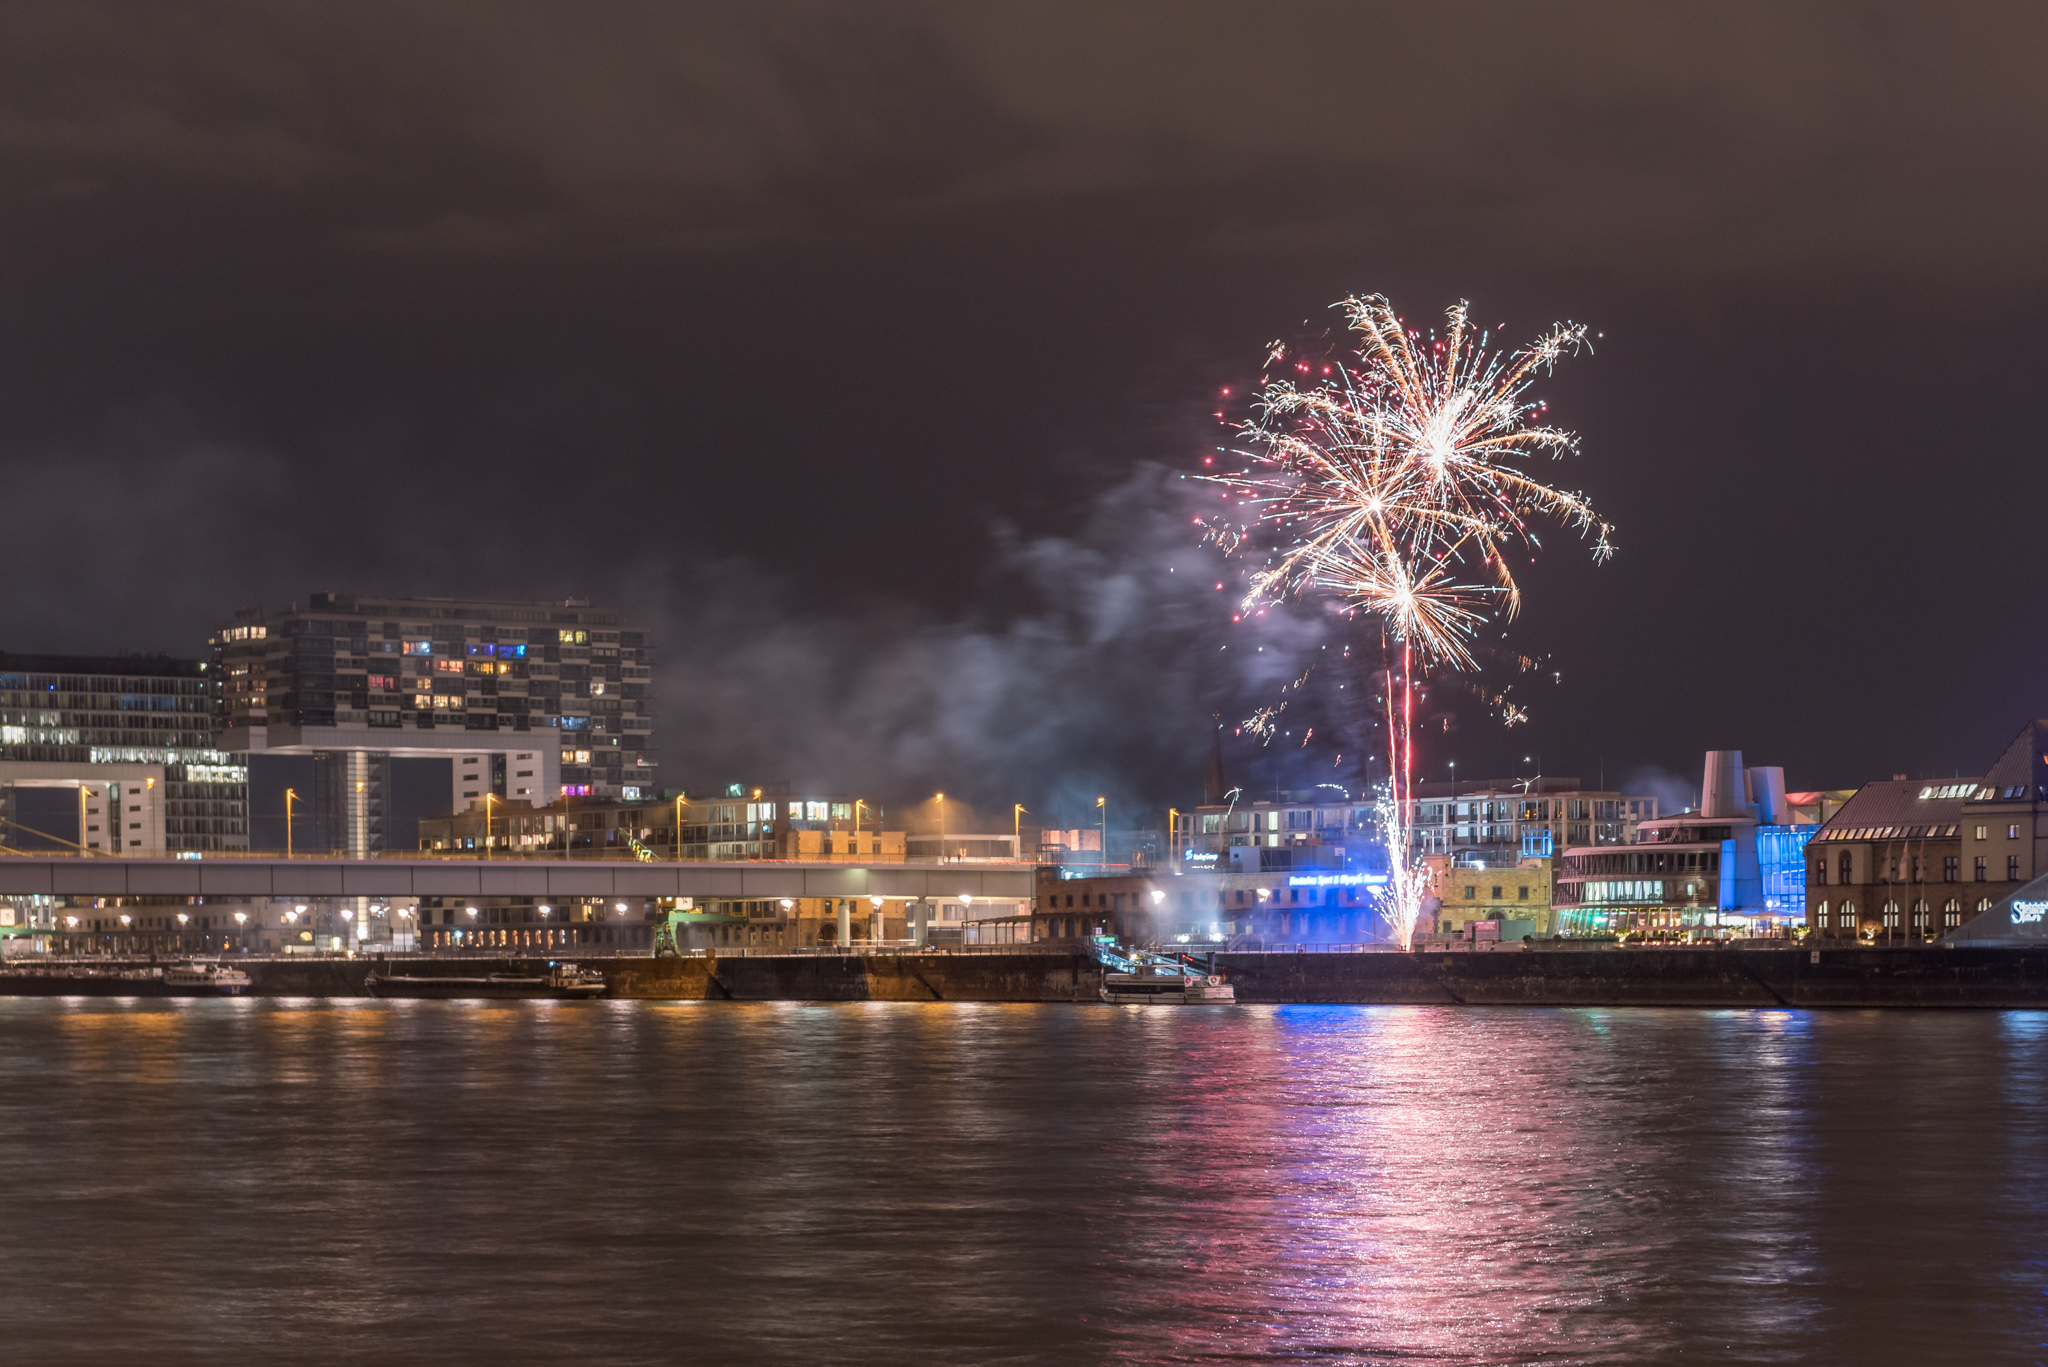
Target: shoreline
(1792,977)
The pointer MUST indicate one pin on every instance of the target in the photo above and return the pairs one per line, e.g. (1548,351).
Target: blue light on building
(1781,864)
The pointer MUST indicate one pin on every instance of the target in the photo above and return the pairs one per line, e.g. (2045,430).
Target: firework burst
(1396,484)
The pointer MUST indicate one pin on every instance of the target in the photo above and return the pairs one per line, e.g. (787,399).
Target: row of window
(1950,869)
(1845,915)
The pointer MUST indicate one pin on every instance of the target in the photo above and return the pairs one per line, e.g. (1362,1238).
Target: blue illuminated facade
(1781,868)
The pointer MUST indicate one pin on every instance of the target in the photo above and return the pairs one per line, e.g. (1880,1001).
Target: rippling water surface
(262,1181)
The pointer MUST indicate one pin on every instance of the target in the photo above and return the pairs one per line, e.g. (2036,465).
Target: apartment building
(115,754)
(400,707)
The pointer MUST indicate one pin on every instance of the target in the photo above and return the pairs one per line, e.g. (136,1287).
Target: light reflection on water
(657,1182)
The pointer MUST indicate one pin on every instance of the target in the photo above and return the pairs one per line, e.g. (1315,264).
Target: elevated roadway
(258,876)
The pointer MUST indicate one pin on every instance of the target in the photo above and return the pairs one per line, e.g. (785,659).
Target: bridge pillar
(920,921)
(845,922)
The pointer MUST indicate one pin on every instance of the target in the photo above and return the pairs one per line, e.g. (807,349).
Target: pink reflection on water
(1443,1185)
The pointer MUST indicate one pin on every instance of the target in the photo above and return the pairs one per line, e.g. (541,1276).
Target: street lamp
(1103,803)
(489,798)
(941,800)
(290,797)
(677,835)
(1017,831)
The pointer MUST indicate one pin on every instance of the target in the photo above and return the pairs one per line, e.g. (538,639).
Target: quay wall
(1635,977)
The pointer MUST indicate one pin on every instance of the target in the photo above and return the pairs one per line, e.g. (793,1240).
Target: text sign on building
(1336,880)
(1199,856)
(2029,913)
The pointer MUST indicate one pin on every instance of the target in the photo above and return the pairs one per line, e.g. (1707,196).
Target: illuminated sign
(1199,856)
(2029,913)
(1336,880)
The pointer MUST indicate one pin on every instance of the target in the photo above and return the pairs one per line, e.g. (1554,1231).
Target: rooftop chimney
(1721,789)
(1767,792)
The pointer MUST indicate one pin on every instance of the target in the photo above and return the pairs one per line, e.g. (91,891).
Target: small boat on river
(204,978)
(1137,977)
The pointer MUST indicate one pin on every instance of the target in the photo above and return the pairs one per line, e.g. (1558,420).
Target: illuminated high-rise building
(377,712)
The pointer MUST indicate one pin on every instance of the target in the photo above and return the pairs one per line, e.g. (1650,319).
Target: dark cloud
(832,338)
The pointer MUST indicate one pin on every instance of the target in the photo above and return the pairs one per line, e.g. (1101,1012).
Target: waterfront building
(1911,859)
(1303,906)
(1697,874)
(1515,819)
(744,823)
(415,706)
(1474,888)
(115,754)
(1203,840)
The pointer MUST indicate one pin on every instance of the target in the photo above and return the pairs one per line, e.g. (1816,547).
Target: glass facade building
(391,676)
(139,722)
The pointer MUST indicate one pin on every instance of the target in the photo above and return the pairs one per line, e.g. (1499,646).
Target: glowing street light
(290,796)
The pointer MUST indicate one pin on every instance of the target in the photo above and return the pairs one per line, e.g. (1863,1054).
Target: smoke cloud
(1100,680)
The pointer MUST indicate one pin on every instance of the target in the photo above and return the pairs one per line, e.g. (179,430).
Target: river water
(628,1182)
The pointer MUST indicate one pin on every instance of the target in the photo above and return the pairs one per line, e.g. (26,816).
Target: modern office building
(1515,819)
(395,708)
(115,754)
(1911,859)
(1204,840)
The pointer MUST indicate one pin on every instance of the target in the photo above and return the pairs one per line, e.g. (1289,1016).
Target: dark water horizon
(348,1181)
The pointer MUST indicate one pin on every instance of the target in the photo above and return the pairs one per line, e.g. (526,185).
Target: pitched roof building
(1912,859)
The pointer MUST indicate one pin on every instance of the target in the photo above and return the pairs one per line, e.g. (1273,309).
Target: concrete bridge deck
(259,876)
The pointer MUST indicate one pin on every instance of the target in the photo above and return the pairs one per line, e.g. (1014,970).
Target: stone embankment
(1632,977)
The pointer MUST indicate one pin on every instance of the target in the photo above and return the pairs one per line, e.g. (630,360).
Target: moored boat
(204,978)
(1136,977)
(189,978)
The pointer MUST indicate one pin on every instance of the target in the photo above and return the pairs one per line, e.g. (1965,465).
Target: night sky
(859,350)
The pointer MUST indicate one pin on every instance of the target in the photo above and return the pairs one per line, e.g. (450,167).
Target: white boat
(1137,977)
(204,978)
(1156,986)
